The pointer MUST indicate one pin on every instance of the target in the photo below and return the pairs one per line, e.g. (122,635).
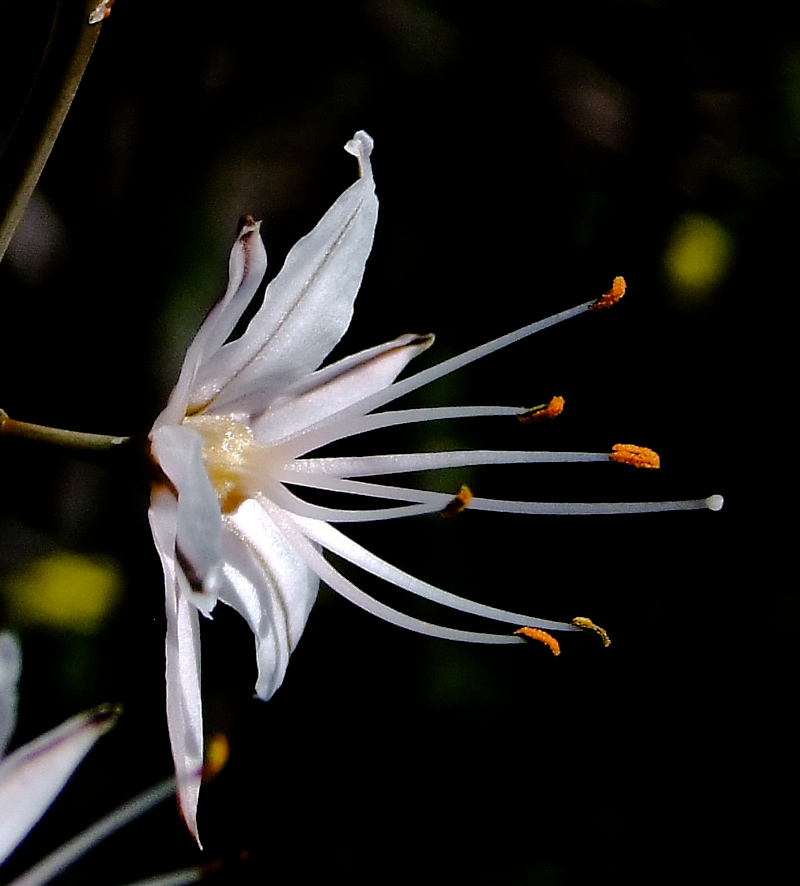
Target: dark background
(524,156)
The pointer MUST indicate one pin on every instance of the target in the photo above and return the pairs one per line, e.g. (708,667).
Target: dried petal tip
(247,225)
(360,145)
(101,12)
(104,716)
(460,502)
(542,637)
(611,297)
(588,625)
(638,456)
(542,413)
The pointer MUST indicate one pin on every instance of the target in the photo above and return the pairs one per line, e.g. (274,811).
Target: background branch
(69,48)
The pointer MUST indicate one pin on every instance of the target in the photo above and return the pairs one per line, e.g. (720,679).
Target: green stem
(74,442)
(68,51)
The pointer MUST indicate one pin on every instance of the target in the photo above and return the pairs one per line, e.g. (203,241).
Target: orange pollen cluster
(589,625)
(542,636)
(457,505)
(611,297)
(543,413)
(638,456)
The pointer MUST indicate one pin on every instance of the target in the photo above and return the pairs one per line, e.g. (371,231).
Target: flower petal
(337,386)
(10,663)
(270,586)
(246,267)
(33,776)
(308,306)
(198,542)
(184,704)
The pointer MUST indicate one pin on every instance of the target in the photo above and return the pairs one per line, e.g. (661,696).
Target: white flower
(33,776)
(235,435)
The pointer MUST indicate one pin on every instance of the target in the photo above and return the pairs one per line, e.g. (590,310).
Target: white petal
(246,267)
(184,705)
(308,306)
(10,663)
(198,545)
(337,386)
(270,586)
(32,777)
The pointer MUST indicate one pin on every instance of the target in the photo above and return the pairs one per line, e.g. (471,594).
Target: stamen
(542,413)
(638,456)
(426,376)
(589,625)
(460,502)
(611,297)
(542,636)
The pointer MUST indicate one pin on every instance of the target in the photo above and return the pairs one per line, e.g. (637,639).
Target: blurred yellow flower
(63,590)
(698,256)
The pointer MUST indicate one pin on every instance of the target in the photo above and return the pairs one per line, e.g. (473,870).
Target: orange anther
(611,297)
(542,636)
(638,456)
(542,413)
(457,505)
(589,625)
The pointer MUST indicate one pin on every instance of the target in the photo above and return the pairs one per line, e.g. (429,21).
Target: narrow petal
(308,306)
(270,586)
(197,382)
(33,776)
(184,705)
(335,387)
(10,663)
(198,542)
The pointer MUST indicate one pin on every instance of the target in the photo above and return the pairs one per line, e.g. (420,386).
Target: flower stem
(69,48)
(74,442)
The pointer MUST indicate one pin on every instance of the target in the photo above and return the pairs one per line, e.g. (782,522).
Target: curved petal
(198,545)
(184,705)
(10,664)
(308,306)
(270,586)
(33,776)
(337,386)
(246,267)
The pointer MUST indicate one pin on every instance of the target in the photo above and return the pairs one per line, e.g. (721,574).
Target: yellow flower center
(228,448)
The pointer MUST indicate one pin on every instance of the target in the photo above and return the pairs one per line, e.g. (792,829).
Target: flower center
(228,449)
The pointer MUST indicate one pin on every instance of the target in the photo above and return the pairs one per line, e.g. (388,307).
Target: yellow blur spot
(63,590)
(216,756)
(698,256)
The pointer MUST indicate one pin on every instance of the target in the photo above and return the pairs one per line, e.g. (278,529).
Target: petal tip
(360,146)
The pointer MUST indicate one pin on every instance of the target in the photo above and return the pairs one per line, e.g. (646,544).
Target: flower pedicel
(233,445)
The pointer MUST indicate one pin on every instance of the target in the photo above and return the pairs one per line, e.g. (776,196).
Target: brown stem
(68,51)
